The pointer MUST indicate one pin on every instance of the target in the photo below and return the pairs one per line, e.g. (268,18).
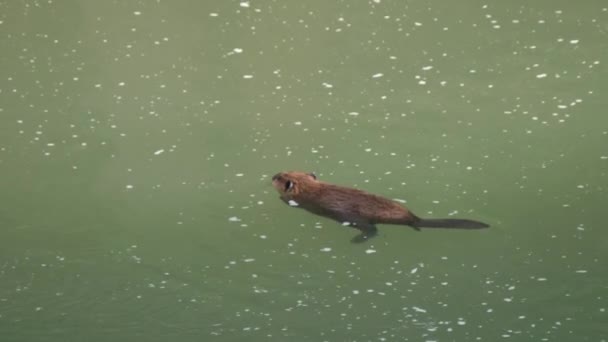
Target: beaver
(353,207)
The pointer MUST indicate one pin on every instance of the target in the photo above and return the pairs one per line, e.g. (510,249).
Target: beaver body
(354,207)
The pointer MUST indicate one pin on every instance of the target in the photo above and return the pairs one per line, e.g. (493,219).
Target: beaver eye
(288,185)
(312,174)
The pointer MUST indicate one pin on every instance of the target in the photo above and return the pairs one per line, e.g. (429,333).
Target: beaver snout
(277,176)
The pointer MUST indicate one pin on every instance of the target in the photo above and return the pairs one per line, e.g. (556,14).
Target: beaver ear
(312,174)
(288,185)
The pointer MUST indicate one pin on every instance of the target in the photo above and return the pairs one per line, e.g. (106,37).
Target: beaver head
(294,183)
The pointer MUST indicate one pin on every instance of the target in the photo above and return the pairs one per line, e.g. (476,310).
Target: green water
(137,142)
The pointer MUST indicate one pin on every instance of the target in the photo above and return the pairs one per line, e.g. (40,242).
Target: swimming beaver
(353,207)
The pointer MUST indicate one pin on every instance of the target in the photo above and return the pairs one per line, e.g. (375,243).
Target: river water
(137,142)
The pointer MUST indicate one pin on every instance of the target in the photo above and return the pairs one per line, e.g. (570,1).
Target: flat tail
(450,223)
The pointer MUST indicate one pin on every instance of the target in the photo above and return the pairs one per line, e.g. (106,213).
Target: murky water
(137,140)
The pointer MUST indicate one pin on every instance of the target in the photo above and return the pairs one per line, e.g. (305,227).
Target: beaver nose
(275,177)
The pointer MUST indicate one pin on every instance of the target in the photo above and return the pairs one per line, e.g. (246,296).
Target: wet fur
(360,209)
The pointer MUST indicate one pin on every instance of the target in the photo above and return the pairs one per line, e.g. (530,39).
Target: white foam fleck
(249,260)
(541,75)
(293,203)
(581,271)
(137,13)
(247,77)
(325,249)
(574,41)
(414,270)
(244,4)
(428,67)
(129,186)
(417,309)
(370,251)
(159,152)
(378,75)
(353,113)
(234,219)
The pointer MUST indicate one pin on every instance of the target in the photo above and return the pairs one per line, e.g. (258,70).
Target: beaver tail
(449,223)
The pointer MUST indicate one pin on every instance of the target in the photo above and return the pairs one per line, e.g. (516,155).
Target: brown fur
(359,208)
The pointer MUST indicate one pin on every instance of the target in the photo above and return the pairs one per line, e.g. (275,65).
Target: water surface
(137,142)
